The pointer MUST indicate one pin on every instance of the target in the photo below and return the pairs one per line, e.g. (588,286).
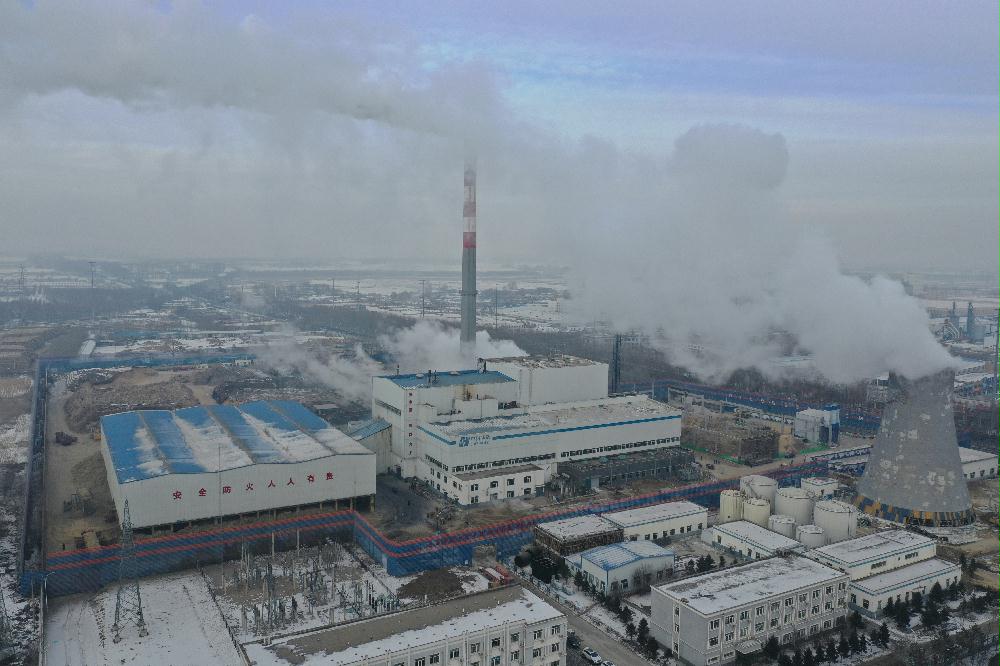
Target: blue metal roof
(369,428)
(452,378)
(618,555)
(148,443)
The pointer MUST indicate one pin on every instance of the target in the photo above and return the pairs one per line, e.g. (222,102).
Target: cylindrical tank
(730,506)
(756,511)
(838,519)
(762,487)
(783,525)
(810,536)
(820,487)
(796,503)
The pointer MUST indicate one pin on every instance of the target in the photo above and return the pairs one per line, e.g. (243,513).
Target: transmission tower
(128,605)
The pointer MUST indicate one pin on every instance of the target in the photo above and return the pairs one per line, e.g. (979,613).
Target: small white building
(751,540)
(876,553)
(871,595)
(487,485)
(978,464)
(818,426)
(708,619)
(503,626)
(623,567)
(660,521)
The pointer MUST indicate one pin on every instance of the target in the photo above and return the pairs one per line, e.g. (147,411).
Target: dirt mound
(436,584)
(89,403)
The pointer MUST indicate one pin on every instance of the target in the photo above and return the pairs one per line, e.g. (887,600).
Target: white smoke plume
(424,346)
(351,377)
(717,273)
(428,345)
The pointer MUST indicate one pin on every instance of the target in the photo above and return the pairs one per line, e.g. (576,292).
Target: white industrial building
(660,521)
(503,626)
(623,567)
(220,460)
(709,619)
(876,553)
(751,540)
(818,426)
(460,429)
(978,464)
(888,565)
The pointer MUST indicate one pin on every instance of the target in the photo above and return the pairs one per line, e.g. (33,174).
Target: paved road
(590,636)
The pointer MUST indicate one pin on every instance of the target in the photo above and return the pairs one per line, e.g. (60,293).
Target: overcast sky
(339,129)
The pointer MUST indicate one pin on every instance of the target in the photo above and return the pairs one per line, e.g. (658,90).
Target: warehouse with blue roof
(206,462)
(622,568)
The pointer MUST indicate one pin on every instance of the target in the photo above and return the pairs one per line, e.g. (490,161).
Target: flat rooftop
(617,555)
(553,361)
(448,378)
(580,526)
(452,620)
(754,582)
(873,547)
(149,443)
(973,455)
(654,513)
(757,536)
(905,577)
(606,412)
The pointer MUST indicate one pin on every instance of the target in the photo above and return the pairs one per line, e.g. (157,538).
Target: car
(571,640)
(593,656)
(608,663)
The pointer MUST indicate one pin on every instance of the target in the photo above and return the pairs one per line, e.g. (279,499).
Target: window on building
(510,482)
(454,653)
(814,629)
(510,493)
(713,641)
(494,661)
(802,598)
(745,615)
(774,622)
(802,614)
(494,484)
(760,611)
(774,607)
(527,479)
(786,638)
(514,638)
(729,636)
(527,492)
(474,486)
(828,606)
(829,589)
(556,630)
(714,624)
(435,659)
(473,648)
(815,610)
(787,618)
(419,661)
(730,619)
(537,633)
(815,594)
(554,647)
(854,598)
(878,565)
(515,655)
(495,642)
(827,624)
(474,499)
(864,603)
(842,586)
(744,631)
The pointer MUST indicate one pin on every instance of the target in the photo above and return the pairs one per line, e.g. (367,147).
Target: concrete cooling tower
(914,473)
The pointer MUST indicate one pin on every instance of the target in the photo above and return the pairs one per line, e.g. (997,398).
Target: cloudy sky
(339,129)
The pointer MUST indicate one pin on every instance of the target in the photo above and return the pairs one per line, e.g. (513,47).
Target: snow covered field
(14,440)
(185,627)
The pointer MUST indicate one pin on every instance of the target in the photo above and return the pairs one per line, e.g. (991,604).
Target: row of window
(618,447)
(866,604)
(982,474)
(807,600)
(501,463)
(759,628)
(495,642)
(656,535)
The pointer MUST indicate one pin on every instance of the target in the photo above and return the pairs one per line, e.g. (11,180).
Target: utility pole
(20,280)
(357,294)
(93,295)
(496,306)
(423,294)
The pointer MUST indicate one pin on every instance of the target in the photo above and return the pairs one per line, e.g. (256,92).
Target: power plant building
(207,462)
(475,435)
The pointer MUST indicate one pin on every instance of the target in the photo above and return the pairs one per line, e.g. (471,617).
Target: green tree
(797,657)
(642,630)
(772,648)
(808,658)
(917,601)
(862,642)
(901,614)
(937,593)
(651,646)
(831,652)
(883,634)
(855,619)
(844,647)
(784,660)
(930,617)
(630,630)
(820,653)
(853,641)
(890,606)
(578,580)
(722,561)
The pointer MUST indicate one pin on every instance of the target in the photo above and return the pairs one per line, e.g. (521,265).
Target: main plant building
(500,431)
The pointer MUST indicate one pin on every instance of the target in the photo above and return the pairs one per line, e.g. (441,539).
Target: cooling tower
(914,473)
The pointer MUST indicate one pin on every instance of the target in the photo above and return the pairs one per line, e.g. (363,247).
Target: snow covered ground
(185,627)
(14,440)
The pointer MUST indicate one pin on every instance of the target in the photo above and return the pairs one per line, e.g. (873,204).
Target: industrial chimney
(914,472)
(469,261)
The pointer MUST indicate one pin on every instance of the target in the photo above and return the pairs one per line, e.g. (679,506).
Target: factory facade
(710,619)
(203,463)
(620,568)
(500,431)
(659,521)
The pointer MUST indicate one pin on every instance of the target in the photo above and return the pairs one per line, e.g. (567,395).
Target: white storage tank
(810,536)
(820,487)
(838,519)
(756,511)
(796,503)
(761,487)
(783,525)
(730,506)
